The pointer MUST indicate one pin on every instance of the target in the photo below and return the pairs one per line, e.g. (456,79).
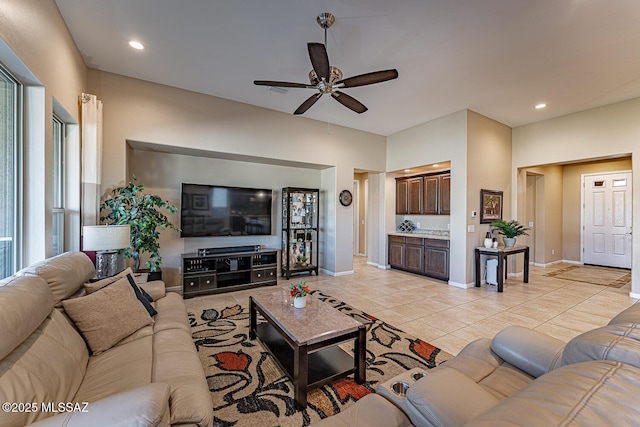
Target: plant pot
(509,242)
(151,275)
(300,302)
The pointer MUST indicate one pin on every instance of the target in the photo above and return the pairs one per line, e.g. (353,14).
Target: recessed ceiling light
(136,45)
(436,165)
(407,170)
(540,106)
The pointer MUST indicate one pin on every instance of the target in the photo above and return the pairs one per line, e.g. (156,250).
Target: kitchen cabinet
(429,257)
(415,195)
(424,194)
(436,258)
(402,196)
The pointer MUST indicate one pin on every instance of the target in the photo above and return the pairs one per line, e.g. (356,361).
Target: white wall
(613,130)
(146,112)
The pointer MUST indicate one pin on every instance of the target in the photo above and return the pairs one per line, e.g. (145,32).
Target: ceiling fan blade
(281,84)
(319,60)
(308,103)
(369,78)
(349,102)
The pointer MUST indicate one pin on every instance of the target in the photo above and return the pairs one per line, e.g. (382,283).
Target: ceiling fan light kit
(326,79)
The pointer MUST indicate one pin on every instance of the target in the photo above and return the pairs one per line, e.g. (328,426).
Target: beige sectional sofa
(520,378)
(151,378)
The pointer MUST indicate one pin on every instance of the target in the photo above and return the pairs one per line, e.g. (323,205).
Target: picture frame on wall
(490,206)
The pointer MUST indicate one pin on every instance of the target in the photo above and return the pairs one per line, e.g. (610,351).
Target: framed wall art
(490,206)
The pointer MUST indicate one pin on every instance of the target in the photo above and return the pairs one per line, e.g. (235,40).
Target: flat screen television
(214,210)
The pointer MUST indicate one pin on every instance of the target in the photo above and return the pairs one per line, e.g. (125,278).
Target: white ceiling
(496,57)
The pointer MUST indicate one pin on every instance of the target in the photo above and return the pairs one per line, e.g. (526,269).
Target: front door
(607,219)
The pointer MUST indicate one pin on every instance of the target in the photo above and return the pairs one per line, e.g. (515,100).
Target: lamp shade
(105,237)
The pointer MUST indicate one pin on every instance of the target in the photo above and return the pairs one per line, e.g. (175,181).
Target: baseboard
(549,264)
(375,264)
(339,273)
(634,295)
(461,285)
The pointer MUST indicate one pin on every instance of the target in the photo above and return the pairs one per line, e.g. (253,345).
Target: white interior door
(607,219)
(356,226)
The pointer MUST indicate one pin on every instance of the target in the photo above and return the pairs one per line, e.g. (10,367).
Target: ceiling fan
(326,79)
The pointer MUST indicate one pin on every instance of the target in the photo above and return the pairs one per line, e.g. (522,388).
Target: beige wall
(572,196)
(488,167)
(437,141)
(600,133)
(546,236)
(136,110)
(37,47)
(151,170)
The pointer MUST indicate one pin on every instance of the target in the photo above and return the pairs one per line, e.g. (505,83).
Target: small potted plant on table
(510,231)
(299,292)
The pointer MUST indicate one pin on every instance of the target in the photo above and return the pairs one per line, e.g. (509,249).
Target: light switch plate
(471,228)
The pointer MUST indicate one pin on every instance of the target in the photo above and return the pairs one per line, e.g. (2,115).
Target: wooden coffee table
(304,341)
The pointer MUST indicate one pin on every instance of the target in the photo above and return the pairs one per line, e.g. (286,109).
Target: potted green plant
(128,205)
(510,231)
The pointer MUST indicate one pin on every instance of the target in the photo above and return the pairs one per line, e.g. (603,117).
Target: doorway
(607,219)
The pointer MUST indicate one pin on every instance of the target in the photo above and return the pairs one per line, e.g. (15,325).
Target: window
(58,185)
(10,109)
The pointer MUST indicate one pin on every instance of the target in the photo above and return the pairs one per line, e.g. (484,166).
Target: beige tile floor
(450,317)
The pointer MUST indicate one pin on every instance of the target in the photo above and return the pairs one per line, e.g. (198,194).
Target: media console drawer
(264,274)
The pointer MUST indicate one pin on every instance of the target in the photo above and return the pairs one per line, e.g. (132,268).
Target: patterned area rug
(603,276)
(248,389)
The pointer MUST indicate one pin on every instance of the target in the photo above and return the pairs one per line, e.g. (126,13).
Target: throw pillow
(99,284)
(142,296)
(107,316)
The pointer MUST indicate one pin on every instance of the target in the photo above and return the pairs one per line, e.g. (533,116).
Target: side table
(502,253)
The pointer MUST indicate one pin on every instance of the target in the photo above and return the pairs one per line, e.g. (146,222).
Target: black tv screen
(213,210)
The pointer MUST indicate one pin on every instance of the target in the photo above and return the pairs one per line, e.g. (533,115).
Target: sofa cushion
(437,398)
(48,366)
(24,303)
(620,342)
(596,393)
(172,314)
(65,273)
(176,362)
(108,315)
(118,369)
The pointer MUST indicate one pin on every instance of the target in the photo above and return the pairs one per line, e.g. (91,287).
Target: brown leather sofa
(520,378)
(151,378)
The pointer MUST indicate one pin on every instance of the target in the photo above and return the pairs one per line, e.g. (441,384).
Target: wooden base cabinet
(429,257)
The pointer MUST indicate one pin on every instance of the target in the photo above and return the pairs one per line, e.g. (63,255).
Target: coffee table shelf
(325,364)
(305,342)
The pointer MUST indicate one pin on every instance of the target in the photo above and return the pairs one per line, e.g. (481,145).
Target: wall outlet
(553,251)
(417,225)
(471,228)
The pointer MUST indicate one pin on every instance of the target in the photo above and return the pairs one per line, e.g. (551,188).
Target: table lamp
(106,240)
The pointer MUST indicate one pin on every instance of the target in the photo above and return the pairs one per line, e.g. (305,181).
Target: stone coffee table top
(314,323)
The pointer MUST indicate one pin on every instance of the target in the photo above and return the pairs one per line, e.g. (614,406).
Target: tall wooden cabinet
(424,194)
(299,231)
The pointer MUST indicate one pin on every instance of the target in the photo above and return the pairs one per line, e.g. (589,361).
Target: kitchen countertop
(421,235)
